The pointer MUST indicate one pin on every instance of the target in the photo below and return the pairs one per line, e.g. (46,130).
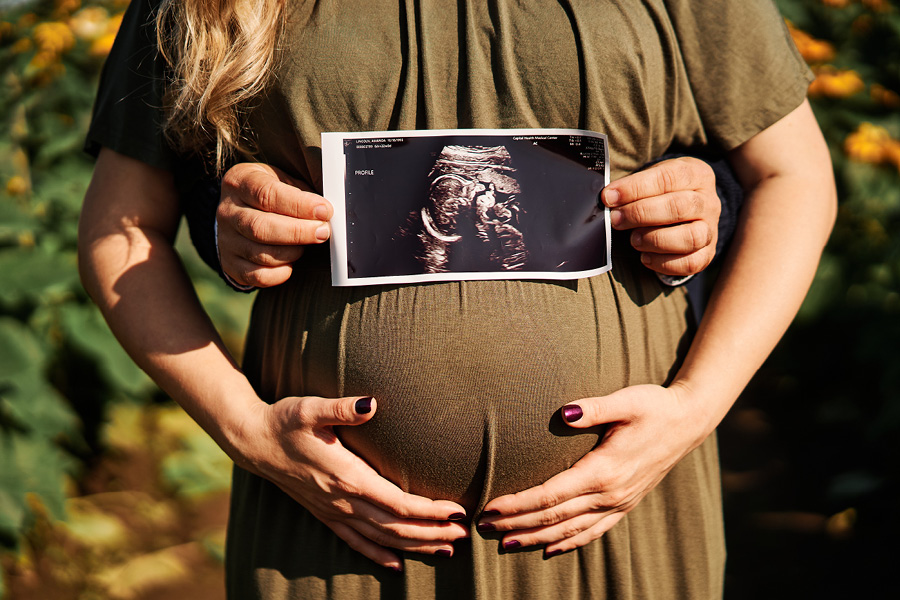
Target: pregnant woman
(563,428)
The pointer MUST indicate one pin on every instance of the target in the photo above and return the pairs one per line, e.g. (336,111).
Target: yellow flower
(21,46)
(869,143)
(811,49)
(54,36)
(89,23)
(835,83)
(102,45)
(41,60)
(16,185)
(26,239)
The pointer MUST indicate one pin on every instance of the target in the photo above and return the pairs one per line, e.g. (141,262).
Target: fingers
(556,533)
(373,542)
(674,209)
(685,248)
(268,228)
(413,535)
(588,503)
(268,189)
(316,412)
(367,547)
(666,209)
(677,250)
(620,406)
(357,478)
(668,176)
(245,273)
(374,489)
(264,218)
(674,239)
(585,537)
(678,265)
(560,488)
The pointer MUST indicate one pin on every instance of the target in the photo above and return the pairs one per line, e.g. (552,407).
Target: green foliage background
(827,402)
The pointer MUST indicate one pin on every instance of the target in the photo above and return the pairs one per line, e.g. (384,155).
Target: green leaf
(12,491)
(26,397)
(30,464)
(39,408)
(20,350)
(14,220)
(30,273)
(85,328)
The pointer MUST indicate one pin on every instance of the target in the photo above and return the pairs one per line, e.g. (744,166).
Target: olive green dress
(469,376)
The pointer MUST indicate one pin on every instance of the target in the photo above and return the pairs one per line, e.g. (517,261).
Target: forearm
(785,223)
(132,272)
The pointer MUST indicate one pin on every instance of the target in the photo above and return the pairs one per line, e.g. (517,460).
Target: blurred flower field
(108,491)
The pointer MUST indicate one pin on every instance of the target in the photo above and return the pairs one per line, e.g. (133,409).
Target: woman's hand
(649,429)
(264,220)
(292,443)
(789,211)
(673,209)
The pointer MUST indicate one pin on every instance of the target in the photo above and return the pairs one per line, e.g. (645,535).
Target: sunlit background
(107,490)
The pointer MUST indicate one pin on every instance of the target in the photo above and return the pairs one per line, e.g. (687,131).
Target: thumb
(614,408)
(324,412)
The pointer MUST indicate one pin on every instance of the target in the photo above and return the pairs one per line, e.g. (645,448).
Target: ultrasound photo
(466,204)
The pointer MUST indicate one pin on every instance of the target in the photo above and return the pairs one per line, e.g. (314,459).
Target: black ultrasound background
(562,220)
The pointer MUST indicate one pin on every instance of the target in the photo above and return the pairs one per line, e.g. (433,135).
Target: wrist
(705,405)
(243,432)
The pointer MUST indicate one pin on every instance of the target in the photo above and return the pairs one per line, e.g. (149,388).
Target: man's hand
(673,210)
(264,219)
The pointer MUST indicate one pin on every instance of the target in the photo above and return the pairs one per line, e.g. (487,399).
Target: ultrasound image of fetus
(470,221)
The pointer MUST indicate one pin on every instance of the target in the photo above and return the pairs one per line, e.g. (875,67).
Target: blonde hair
(221,53)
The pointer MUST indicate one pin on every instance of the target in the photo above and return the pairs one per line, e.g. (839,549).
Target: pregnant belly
(469,376)
(468,421)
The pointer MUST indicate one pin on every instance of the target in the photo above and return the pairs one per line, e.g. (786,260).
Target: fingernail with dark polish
(485,527)
(444,552)
(456,517)
(571,413)
(364,405)
(512,545)
(490,513)
(552,553)
(396,569)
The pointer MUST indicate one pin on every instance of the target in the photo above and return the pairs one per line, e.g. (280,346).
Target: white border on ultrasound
(333,175)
